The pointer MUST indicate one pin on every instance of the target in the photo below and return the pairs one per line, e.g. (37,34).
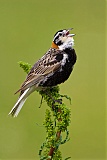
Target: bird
(52,69)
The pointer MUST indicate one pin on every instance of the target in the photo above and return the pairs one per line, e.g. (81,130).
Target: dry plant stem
(52,149)
(51,152)
(57,138)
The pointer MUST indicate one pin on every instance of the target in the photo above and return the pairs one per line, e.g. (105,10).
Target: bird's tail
(19,104)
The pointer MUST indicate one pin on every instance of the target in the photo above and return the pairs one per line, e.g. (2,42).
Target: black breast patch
(59,57)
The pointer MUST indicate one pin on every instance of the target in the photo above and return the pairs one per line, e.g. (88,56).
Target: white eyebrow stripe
(64,31)
(56,35)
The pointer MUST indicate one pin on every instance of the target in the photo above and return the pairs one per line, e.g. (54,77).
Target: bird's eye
(60,34)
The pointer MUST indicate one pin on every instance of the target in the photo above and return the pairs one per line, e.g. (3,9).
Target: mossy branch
(57,120)
(26,66)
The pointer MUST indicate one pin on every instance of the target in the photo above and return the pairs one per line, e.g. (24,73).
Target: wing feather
(45,66)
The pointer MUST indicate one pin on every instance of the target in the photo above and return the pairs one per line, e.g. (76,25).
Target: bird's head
(63,39)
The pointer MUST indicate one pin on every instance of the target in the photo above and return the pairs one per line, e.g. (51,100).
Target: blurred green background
(26,31)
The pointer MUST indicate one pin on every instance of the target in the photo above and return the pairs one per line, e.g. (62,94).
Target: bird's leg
(54,100)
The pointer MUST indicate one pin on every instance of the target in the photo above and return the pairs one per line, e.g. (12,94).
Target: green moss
(26,67)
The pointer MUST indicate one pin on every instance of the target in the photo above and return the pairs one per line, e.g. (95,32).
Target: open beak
(68,33)
(71,35)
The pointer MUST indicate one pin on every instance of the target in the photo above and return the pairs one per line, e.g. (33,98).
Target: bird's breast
(64,60)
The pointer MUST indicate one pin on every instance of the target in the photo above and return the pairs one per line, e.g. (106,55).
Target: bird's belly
(58,77)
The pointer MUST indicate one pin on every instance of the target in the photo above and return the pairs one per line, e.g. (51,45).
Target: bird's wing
(49,63)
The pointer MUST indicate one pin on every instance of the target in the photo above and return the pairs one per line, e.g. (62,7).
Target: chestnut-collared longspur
(50,70)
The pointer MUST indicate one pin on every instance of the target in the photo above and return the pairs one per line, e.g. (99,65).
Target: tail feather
(16,109)
(19,104)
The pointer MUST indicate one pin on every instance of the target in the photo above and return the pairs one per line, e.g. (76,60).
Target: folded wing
(48,64)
